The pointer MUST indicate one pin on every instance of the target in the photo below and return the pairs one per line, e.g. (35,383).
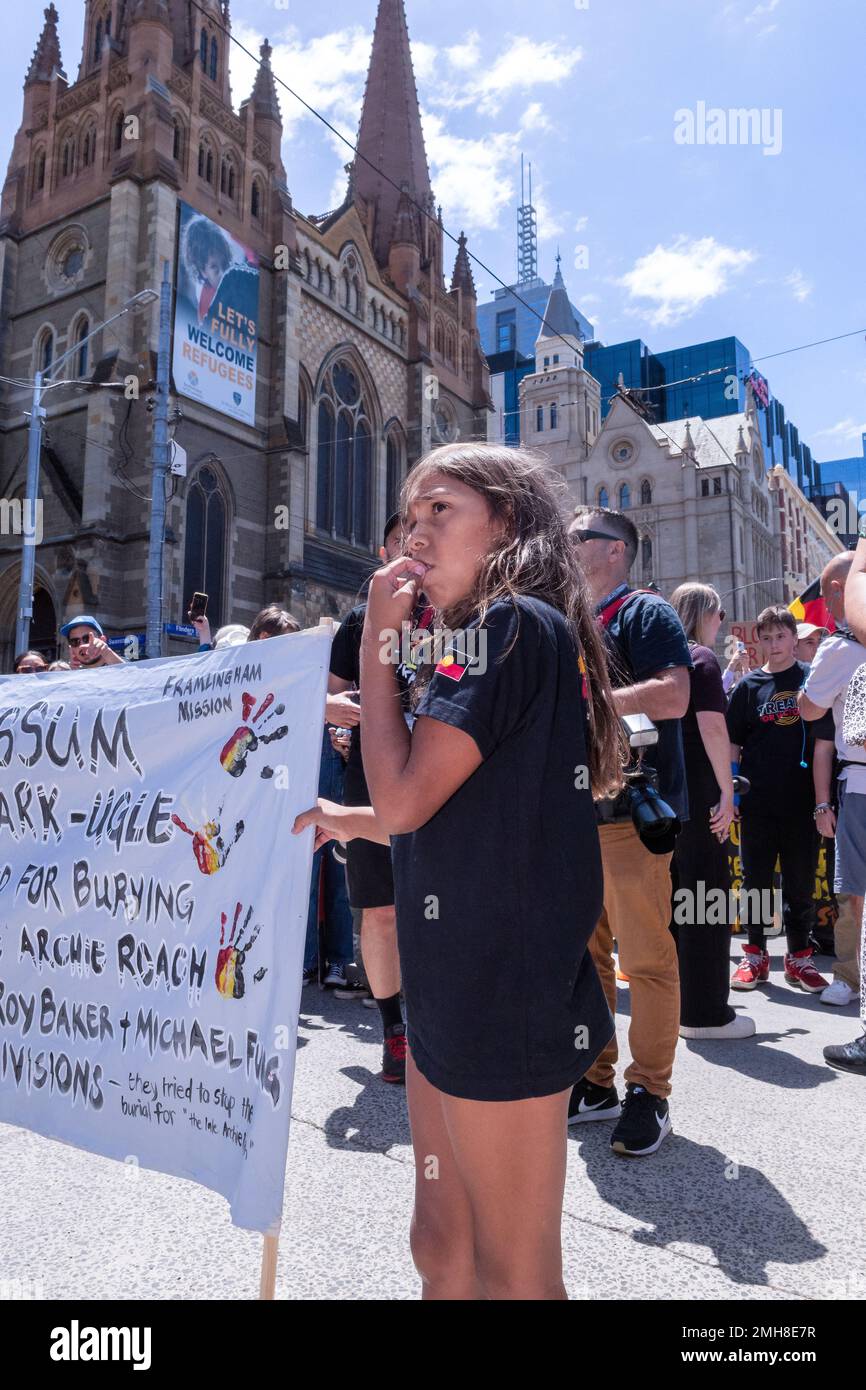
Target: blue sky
(685,242)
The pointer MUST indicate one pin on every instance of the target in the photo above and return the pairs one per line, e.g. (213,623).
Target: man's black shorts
(368,874)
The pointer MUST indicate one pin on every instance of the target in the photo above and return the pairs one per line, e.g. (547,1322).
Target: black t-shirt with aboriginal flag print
(764,720)
(346,665)
(497,895)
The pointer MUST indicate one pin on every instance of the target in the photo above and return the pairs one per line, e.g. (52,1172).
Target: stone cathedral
(366,354)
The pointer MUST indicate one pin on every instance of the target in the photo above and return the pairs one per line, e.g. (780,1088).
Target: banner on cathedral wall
(215,318)
(153,908)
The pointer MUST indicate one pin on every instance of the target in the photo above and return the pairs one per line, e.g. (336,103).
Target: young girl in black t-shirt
(487,804)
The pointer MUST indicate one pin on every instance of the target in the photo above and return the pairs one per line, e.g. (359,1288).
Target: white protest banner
(153,907)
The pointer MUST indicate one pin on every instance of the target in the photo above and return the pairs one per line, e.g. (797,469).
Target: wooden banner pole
(267,1286)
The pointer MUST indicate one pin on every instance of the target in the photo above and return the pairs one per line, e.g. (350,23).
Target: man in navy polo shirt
(649,667)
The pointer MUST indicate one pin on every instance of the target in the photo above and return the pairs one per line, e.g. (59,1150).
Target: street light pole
(34,453)
(155,564)
(28,542)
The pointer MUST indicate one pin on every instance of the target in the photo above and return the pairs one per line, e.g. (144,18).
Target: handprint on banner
(231,956)
(208,846)
(246,740)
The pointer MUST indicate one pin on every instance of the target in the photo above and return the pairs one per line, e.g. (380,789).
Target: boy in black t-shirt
(772,747)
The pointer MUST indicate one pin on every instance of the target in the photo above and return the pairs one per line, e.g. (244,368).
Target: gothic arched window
(646,559)
(394,473)
(603,497)
(97,41)
(344,481)
(45,350)
(208,167)
(256,199)
(624,497)
(177,145)
(646,493)
(117,135)
(39,172)
(80,332)
(554,416)
(202,49)
(67,157)
(214,59)
(205,542)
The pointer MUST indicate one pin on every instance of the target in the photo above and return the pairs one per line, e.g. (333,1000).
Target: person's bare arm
(714,736)
(855,593)
(736,751)
(664,696)
(340,711)
(822,776)
(335,822)
(809,710)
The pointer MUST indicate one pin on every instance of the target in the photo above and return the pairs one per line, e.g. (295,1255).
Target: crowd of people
(543,807)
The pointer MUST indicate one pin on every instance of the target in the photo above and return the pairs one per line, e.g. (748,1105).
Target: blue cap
(84,621)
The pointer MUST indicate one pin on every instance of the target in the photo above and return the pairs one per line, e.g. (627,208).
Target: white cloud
(761,11)
(328,72)
(581,224)
(674,281)
(471,177)
(534,118)
(465,55)
(525,64)
(799,285)
(845,432)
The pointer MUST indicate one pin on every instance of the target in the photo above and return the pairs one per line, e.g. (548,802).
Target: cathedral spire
(264,98)
(391,152)
(462,278)
(46,58)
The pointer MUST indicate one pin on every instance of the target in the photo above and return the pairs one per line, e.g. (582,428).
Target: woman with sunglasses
(700,862)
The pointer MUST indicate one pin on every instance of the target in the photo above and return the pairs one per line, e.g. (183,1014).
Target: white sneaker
(740,1027)
(838,993)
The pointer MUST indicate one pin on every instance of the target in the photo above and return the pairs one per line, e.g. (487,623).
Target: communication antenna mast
(527,233)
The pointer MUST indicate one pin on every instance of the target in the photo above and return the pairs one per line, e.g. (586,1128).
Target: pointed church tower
(559,336)
(46,58)
(462,279)
(391,153)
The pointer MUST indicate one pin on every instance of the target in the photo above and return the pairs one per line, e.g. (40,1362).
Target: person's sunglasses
(78,641)
(589,535)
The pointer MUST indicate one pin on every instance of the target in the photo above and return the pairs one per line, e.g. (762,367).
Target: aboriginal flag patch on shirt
(458,658)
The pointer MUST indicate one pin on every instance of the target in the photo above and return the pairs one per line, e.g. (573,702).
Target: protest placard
(153,906)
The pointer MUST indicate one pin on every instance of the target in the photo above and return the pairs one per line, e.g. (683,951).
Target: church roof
(559,316)
(391,153)
(46,57)
(715,441)
(462,279)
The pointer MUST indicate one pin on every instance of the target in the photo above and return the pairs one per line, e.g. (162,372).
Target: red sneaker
(800,972)
(753,969)
(394,1055)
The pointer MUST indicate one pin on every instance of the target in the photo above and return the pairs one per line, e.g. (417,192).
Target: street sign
(179,630)
(132,646)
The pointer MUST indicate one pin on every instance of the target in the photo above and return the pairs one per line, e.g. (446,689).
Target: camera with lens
(640,801)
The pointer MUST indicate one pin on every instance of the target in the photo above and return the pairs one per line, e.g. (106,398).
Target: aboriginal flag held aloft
(811,608)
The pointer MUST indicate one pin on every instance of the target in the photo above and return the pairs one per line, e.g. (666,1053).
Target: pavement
(760,1193)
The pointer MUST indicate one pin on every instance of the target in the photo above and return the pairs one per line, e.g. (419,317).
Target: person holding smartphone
(87,645)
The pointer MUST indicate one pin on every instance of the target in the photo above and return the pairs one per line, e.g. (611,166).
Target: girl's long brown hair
(535,557)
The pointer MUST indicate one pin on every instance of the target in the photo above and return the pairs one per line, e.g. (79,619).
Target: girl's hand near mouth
(393,595)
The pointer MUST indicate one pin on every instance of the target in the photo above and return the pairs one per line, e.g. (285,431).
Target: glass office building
(512,324)
(640,369)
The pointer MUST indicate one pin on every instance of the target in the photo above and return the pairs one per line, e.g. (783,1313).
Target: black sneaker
(591,1102)
(394,1055)
(849,1057)
(645,1123)
(348,986)
(311,975)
